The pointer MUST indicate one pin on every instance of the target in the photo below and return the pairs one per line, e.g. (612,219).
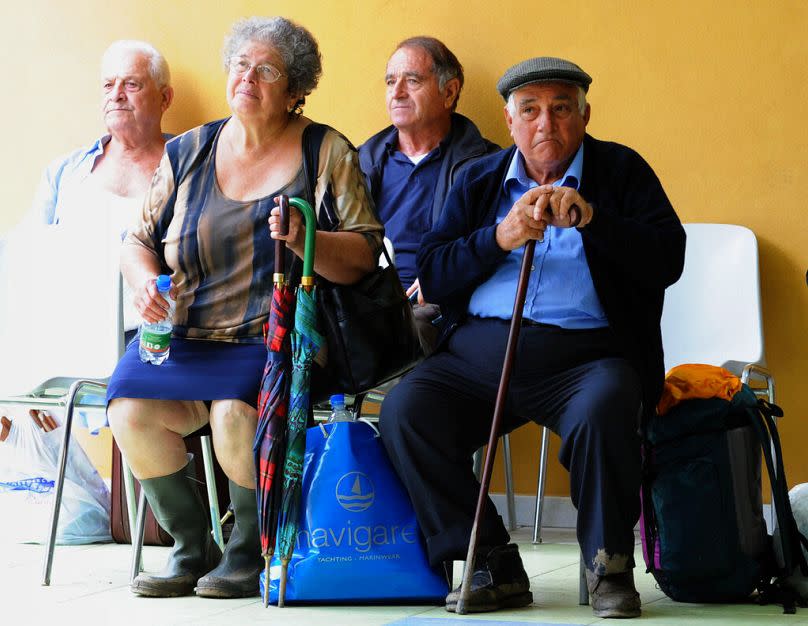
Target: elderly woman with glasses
(209,220)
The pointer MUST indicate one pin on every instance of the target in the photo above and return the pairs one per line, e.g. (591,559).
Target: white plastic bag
(29,460)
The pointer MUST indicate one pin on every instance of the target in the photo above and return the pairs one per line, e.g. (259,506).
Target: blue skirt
(194,370)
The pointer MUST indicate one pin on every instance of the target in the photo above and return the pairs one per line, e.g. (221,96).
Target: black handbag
(369,326)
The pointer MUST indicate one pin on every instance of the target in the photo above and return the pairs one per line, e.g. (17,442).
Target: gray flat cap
(542,69)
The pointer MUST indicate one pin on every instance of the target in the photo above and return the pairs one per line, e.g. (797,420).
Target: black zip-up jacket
(634,245)
(464,145)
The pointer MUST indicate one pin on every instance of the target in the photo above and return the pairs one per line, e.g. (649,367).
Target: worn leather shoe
(614,595)
(499,581)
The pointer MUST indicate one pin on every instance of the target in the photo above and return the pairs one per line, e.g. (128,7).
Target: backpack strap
(649,522)
(788,526)
(762,419)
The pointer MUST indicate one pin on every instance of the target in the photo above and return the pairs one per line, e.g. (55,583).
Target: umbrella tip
(266,581)
(282,586)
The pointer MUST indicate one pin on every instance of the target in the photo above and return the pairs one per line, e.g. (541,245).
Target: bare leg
(233,424)
(150,432)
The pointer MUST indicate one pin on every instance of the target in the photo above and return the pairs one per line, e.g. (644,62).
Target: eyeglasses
(266,73)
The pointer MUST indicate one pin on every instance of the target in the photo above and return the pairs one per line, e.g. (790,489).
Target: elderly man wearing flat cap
(589,360)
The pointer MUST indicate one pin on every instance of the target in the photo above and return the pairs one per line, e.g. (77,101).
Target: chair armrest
(752,371)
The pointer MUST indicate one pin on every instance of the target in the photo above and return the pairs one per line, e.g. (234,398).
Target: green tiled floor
(90,586)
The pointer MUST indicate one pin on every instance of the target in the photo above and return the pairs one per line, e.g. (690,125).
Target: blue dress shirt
(560,290)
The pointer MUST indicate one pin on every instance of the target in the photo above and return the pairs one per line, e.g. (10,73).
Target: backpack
(702,528)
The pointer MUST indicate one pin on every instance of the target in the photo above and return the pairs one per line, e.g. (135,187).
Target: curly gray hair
(296,45)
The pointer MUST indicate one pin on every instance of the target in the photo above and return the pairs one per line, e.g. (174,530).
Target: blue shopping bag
(358,540)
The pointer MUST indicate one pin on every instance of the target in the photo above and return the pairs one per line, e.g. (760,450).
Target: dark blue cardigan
(634,245)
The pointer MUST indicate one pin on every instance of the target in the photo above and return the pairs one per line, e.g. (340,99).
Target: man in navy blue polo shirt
(589,359)
(410,165)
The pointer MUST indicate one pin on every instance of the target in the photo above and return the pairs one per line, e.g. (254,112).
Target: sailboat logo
(355,492)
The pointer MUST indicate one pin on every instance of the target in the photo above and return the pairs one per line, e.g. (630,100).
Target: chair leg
(57,497)
(510,503)
(583,590)
(545,443)
(477,466)
(60,475)
(129,492)
(357,405)
(448,571)
(137,536)
(213,496)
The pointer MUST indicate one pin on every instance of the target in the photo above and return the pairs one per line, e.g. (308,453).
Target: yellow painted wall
(713,94)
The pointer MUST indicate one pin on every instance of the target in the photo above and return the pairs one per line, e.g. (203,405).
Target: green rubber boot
(236,576)
(178,508)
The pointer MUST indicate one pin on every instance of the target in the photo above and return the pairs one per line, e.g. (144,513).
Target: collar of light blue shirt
(571,178)
(95,151)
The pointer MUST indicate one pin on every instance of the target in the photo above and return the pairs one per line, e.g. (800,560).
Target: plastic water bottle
(338,411)
(155,338)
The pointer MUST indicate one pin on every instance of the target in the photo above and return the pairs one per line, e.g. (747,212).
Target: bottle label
(155,342)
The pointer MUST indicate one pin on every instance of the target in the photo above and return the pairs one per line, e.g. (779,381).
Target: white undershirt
(90,205)
(416,159)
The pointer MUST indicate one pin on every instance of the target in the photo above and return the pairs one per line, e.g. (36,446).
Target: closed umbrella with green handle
(269,445)
(306,342)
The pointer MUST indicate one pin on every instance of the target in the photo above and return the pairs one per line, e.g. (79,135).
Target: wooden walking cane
(499,408)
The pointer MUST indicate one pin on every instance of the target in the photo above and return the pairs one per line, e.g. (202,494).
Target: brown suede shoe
(614,595)
(499,582)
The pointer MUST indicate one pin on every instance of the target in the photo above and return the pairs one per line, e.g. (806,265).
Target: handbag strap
(312,140)
(327,219)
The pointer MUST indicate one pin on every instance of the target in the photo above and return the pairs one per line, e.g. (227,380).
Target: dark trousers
(574,382)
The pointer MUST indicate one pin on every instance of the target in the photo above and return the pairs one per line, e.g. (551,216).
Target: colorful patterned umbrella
(306,342)
(269,445)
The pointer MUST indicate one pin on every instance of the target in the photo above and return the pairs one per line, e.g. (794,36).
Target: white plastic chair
(712,315)
(61,326)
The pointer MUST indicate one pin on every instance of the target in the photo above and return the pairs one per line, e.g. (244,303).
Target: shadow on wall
(191,107)
(777,268)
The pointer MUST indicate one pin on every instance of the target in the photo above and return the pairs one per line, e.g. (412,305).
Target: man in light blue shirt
(560,290)
(101,188)
(135,93)
(589,358)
